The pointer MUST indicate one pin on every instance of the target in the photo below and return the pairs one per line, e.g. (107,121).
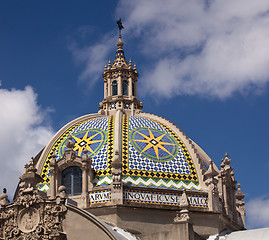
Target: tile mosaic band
(163,199)
(100,196)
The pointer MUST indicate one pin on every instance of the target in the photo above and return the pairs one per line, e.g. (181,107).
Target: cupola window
(72,179)
(125,88)
(114,88)
(133,89)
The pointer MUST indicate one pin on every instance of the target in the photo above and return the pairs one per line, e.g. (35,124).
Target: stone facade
(33,216)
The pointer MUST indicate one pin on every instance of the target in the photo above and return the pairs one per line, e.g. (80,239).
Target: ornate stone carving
(28,219)
(116,178)
(69,154)
(184,201)
(62,192)
(31,216)
(43,221)
(183,217)
(4,198)
(28,199)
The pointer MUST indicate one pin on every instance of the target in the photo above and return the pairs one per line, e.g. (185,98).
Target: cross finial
(120,26)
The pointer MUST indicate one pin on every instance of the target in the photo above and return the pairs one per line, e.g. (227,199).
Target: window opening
(125,88)
(114,88)
(72,179)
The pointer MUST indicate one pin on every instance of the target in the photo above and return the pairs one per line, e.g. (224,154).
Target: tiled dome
(153,154)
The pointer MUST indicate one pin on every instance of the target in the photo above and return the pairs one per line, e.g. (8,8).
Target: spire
(211,172)
(120,60)
(239,195)
(120,83)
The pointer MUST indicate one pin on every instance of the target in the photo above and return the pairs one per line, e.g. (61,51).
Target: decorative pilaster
(182,226)
(130,90)
(105,87)
(86,163)
(117,186)
(53,176)
(228,186)
(212,184)
(119,84)
(135,81)
(109,83)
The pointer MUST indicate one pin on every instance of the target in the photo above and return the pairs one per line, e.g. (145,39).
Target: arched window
(72,179)
(133,89)
(125,88)
(114,88)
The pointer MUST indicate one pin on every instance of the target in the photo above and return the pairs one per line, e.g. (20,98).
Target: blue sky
(203,65)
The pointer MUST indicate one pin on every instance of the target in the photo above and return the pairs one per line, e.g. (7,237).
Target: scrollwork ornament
(28,200)
(15,232)
(39,230)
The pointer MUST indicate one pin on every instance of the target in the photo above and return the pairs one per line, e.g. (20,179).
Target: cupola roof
(120,60)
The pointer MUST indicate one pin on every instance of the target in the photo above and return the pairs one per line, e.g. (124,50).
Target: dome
(154,152)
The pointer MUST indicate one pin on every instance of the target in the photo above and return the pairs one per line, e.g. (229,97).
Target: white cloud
(209,48)
(94,58)
(258,212)
(23,133)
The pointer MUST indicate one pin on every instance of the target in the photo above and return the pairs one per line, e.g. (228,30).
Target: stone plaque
(28,220)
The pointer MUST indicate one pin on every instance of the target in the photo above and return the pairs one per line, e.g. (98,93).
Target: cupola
(120,84)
